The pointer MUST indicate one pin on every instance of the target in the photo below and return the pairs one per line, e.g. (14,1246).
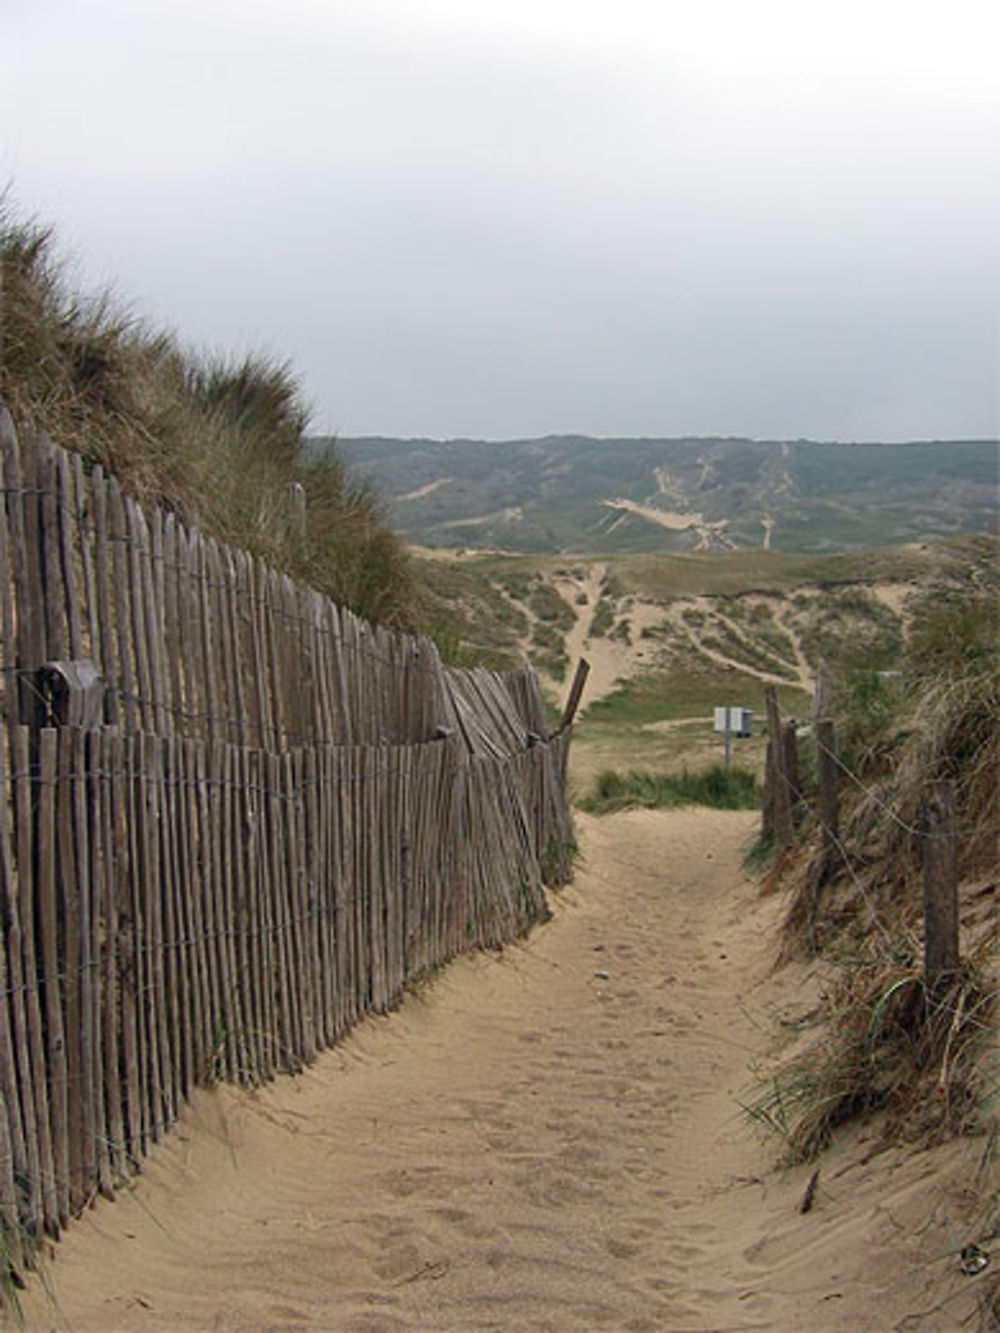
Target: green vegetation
(851,620)
(888,1045)
(723,788)
(954,635)
(553,493)
(471,617)
(690,688)
(758,619)
(740,580)
(889,1049)
(603,619)
(746,651)
(549,650)
(719,573)
(547,605)
(613,587)
(219,442)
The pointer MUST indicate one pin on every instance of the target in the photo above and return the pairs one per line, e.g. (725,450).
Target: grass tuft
(719,787)
(890,1047)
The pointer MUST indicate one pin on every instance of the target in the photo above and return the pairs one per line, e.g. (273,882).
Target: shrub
(602,620)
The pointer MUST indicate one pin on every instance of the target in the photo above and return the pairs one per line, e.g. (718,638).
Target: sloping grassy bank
(923,1054)
(218,441)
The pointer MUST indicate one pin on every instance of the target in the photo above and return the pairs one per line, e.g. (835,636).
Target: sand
(547,1138)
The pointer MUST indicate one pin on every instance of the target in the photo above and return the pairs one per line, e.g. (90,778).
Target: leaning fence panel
(264,821)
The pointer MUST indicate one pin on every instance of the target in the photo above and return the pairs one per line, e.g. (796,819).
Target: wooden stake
(573,701)
(829,796)
(784,828)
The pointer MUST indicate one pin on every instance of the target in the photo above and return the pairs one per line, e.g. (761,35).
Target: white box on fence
(739,720)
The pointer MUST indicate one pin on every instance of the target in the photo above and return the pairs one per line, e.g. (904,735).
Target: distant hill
(576,493)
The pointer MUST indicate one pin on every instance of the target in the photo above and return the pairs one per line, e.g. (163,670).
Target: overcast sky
(461,217)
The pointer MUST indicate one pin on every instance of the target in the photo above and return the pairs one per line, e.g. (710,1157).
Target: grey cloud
(456,228)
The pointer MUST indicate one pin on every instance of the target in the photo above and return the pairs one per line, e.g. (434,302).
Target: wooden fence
(233,819)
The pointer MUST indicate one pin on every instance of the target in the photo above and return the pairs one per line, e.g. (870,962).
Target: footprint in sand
(621,1249)
(407,1181)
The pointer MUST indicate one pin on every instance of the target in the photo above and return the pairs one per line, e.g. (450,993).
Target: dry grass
(888,1046)
(937,718)
(927,1063)
(219,442)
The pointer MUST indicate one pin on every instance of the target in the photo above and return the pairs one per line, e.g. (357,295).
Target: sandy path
(546,1139)
(610,660)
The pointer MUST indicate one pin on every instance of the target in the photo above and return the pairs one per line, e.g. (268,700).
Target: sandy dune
(547,1139)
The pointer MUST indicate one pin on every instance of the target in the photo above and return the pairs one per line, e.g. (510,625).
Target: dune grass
(218,441)
(889,1045)
(719,787)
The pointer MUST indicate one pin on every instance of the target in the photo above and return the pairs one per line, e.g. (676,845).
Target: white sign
(737,721)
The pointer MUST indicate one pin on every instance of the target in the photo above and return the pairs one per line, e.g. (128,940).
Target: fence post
(821,690)
(940,885)
(829,799)
(784,829)
(767,812)
(573,702)
(790,756)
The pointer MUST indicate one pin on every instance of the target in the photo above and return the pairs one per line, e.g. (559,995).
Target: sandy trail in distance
(543,1139)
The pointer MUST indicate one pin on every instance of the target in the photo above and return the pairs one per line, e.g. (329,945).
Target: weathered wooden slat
(20,475)
(81,536)
(208,636)
(188,915)
(343,891)
(243,733)
(206,797)
(155,591)
(226,1027)
(264,912)
(162,1108)
(45,514)
(230,833)
(130,1147)
(28,884)
(8,642)
(286,1017)
(64,525)
(189,643)
(107,850)
(107,643)
(10,1220)
(52,964)
(176,980)
(142,612)
(15,1043)
(312,852)
(298,909)
(118,538)
(69,925)
(247,930)
(97,1017)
